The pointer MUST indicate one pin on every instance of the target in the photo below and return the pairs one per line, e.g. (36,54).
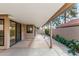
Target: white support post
(50,35)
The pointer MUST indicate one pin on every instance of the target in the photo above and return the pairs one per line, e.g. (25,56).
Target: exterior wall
(68,32)
(30,36)
(25,35)
(23,30)
(6,33)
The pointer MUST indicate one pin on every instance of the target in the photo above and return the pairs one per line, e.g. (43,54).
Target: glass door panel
(1,32)
(12,33)
(18,32)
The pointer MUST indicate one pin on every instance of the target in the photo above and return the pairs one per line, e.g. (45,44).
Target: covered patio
(38,47)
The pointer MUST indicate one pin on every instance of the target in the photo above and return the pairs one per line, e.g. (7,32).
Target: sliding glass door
(15,32)
(18,32)
(12,33)
(1,32)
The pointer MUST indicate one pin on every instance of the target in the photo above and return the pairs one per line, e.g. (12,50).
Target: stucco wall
(68,32)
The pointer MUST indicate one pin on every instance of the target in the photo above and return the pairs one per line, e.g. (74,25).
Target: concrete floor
(36,47)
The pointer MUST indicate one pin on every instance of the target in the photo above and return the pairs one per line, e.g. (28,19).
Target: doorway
(15,32)
(18,32)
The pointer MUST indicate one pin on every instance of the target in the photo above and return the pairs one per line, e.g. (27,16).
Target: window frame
(28,26)
(3,32)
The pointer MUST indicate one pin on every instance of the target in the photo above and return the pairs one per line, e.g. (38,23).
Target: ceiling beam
(60,11)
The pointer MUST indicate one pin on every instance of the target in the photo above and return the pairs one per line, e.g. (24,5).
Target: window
(1,32)
(29,28)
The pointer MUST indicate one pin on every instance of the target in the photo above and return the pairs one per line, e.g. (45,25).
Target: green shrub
(47,32)
(62,40)
(72,44)
(74,47)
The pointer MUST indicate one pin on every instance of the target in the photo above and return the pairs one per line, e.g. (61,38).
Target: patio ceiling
(30,13)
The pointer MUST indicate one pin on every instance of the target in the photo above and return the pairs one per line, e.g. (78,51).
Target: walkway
(35,47)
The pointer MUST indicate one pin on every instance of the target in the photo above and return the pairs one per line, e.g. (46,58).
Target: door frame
(16,32)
